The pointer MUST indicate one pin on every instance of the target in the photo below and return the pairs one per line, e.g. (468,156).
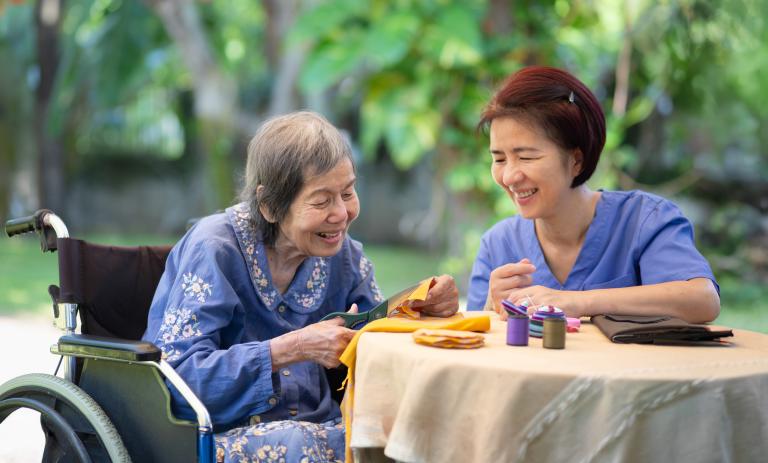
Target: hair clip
(571,98)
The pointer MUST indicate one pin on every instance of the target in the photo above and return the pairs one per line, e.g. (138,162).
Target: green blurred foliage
(417,73)
(426,68)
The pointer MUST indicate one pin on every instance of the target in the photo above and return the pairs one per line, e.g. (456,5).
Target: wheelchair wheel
(76,428)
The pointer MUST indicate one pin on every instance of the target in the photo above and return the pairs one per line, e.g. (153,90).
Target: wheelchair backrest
(112,285)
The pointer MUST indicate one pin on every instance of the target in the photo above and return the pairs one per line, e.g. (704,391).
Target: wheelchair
(112,403)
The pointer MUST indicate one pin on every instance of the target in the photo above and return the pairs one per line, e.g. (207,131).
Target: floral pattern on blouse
(178,323)
(241,221)
(195,287)
(280,442)
(315,284)
(377,296)
(366,268)
(313,290)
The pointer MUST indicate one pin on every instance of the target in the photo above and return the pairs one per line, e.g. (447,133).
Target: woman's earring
(571,98)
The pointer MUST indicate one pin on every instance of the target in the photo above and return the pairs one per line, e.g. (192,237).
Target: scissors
(358,320)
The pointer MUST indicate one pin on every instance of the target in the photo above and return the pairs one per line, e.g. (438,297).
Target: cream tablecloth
(593,401)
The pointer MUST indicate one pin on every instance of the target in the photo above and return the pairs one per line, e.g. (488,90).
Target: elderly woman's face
(531,168)
(319,217)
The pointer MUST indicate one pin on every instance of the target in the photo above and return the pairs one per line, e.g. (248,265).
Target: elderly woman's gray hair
(283,153)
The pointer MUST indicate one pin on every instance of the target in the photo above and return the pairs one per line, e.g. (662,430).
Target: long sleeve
(192,318)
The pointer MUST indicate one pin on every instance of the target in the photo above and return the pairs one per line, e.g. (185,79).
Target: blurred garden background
(127,118)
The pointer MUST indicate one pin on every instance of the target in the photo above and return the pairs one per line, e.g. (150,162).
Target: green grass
(25,274)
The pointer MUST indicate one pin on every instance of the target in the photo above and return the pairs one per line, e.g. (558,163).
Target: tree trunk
(215,95)
(286,60)
(10,117)
(50,167)
(7,149)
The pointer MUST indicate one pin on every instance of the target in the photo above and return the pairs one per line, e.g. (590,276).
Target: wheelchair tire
(75,400)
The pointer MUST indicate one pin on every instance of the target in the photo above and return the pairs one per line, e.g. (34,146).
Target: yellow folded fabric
(448,339)
(404,310)
(397,325)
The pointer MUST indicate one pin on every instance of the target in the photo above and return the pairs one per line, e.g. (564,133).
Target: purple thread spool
(517,330)
(513,309)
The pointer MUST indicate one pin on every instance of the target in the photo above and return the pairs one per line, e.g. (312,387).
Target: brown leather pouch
(639,329)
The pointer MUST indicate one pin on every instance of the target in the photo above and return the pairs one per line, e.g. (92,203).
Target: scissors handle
(351,320)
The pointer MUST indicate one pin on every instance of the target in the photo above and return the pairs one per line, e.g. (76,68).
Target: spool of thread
(517,330)
(536,326)
(554,333)
(513,309)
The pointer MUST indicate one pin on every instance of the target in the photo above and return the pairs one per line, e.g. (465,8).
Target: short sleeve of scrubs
(667,249)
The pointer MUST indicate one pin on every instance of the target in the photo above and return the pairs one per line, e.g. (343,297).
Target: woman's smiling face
(531,168)
(321,213)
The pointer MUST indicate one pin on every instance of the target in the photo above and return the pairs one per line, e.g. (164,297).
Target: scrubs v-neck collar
(589,254)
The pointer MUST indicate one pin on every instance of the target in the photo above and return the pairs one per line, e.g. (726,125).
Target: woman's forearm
(286,349)
(695,300)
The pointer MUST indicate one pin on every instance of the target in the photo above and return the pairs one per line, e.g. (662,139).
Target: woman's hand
(695,300)
(568,301)
(442,299)
(506,279)
(322,342)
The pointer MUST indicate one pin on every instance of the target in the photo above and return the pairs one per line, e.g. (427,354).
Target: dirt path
(24,344)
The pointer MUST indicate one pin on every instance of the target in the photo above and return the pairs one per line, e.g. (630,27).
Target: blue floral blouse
(216,309)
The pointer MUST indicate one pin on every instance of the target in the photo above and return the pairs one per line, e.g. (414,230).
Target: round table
(593,401)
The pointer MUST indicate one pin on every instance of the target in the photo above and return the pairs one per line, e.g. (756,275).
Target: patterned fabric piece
(195,287)
(366,269)
(177,324)
(240,215)
(283,442)
(315,284)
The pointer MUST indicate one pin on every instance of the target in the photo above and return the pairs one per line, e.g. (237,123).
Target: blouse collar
(307,290)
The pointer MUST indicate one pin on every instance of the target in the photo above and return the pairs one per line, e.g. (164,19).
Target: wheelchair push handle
(20,226)
(45,223)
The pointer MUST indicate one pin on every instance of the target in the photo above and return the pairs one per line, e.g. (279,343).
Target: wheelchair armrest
(84,345)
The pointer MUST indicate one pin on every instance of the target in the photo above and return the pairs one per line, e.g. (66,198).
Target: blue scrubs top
(216,309)
(635,238)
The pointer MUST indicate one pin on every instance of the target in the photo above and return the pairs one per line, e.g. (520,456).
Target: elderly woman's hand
(324,342)
(506,279)
(321,342)
(442,299)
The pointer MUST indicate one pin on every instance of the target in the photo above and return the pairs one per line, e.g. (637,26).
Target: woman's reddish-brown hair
(559,104)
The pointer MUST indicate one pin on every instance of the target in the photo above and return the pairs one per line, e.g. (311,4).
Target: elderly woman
(587,252)
(237,310)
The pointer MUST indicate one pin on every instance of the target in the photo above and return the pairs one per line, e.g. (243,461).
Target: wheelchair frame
(66,408)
